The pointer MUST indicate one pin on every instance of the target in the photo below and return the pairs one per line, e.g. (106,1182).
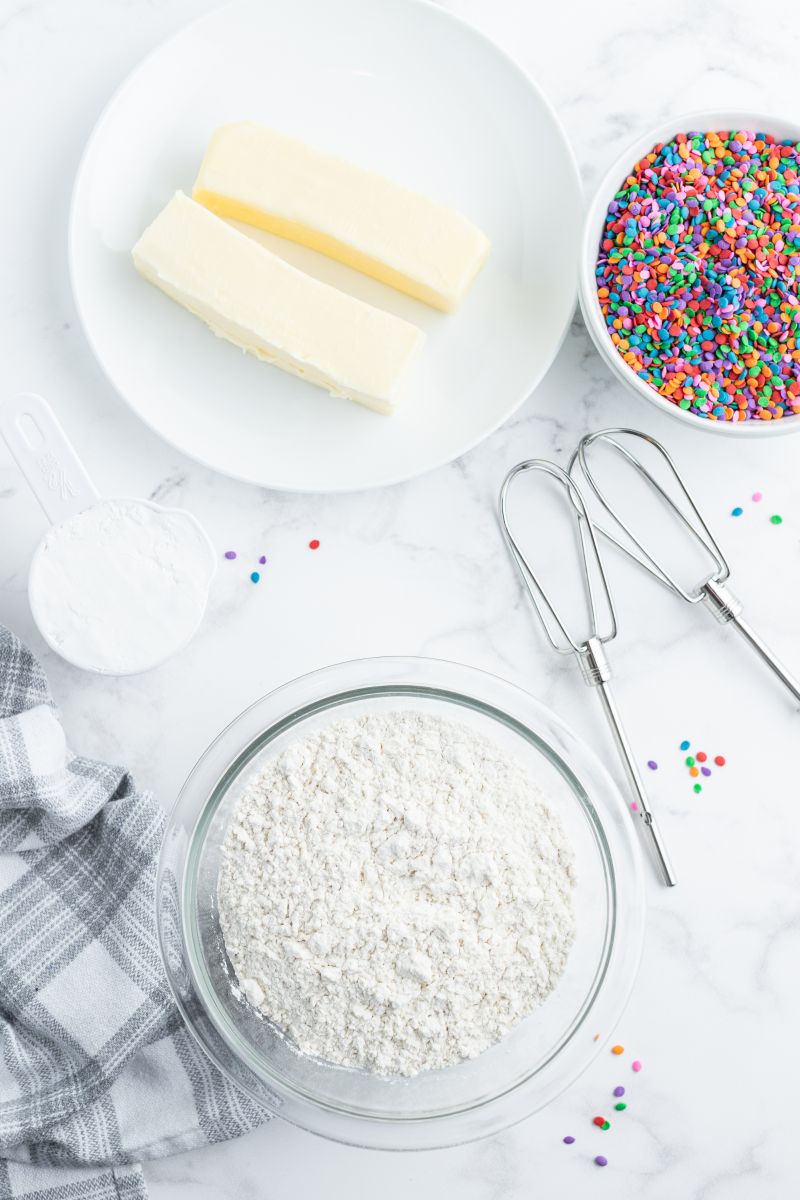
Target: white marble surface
(419,569)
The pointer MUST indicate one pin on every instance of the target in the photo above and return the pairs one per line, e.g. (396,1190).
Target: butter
(276,183)
(262,304)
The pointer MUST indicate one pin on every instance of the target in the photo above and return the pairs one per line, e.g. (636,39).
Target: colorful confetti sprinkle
(757,497)
(230,554)
(634,806)
(652,764)
(737,512)
(619,1091)
(568,1140)
(697,789)
(705,771)
(601,1160)
(697,273)
(314,544)
(263,559)
(598,1121)
(685,745)
(636,1065)
(617,1049)
(694,772)
(620,1107)
(254,576)
(701,756)
(776,520)
(720,760)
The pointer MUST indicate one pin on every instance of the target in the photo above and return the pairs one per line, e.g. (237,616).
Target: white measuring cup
(73,505)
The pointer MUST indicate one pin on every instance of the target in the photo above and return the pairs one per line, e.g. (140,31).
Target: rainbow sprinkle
(697,273)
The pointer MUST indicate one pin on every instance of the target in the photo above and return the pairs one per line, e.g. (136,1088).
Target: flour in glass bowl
(395,893)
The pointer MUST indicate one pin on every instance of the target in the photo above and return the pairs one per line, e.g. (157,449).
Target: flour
(121,586)
(395,893)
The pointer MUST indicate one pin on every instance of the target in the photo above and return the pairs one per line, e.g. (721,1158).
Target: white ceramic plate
(396,85)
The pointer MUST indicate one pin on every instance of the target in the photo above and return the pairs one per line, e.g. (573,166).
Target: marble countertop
(420,570)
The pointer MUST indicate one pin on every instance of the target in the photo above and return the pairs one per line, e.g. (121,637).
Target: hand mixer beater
(590,650)
(664,484)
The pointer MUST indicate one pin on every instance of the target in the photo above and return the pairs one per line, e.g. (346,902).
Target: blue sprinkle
(685,745)
(737,512)
(255,576)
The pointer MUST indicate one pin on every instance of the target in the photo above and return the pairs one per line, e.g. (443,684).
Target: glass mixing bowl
(515,1077)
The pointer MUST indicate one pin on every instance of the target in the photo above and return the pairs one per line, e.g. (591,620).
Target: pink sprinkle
(756,497)
(636,1065)
(634,806)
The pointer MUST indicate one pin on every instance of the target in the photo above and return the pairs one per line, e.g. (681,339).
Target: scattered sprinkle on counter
(636,1065)
(634,806)
(621,1106)
(697,273)
(263,560)
(720,760)
(685,745)
(601,1160)
(652,764)
(757,497)
(314,544)
(705,771)
(619,1091)
(776,520)
(617,1049)
(254,576)
(701,756)
(230,555)
(697,789)
(568,1140)
(737,512)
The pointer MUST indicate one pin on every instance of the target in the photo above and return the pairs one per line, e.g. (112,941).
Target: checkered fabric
(97,1071)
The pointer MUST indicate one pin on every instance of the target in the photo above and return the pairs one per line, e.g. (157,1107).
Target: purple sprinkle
(263,559)
(653,765)
(601,1160)
(568,1140)
(230,554)
(705,770)
(619,1091)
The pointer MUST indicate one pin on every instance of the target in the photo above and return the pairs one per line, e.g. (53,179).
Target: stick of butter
(261,303)
(276,183)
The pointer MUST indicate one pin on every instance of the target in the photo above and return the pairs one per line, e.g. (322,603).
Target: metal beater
(713,592)
(590,652)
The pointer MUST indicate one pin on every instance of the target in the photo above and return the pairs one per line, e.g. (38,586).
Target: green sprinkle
(697,788)
(690,761)
(620,1107)
(776,520)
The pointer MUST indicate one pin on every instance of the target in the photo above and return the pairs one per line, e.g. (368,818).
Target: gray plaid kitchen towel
(97,1071)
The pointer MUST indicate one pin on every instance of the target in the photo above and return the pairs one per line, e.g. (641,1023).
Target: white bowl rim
(595,215)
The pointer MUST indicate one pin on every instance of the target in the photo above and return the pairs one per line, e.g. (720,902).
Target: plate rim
(305,488)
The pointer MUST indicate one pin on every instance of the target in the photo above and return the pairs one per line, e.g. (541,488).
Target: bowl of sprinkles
(690,271)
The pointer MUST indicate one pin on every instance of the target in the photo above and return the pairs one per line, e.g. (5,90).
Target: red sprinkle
(719,760)
(701,756)
(314,544)
(599,1122)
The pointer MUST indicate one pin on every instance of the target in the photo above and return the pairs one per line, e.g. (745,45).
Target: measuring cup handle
(44,454)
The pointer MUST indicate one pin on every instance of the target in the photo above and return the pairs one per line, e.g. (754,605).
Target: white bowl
(593,225)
